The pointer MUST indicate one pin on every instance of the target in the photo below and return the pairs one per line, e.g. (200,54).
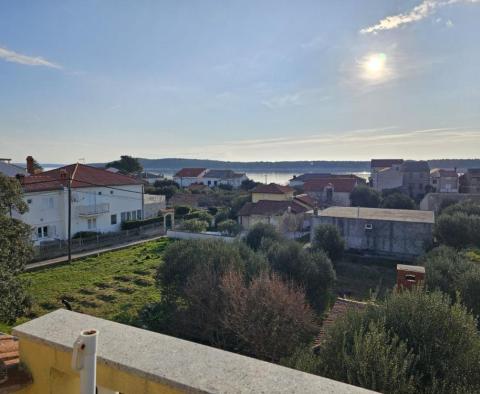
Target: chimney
(63,174)
(30,167)
(410,276)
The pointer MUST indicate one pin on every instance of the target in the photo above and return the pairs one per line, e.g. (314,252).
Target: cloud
(15,57)
(301,97)
(419,12)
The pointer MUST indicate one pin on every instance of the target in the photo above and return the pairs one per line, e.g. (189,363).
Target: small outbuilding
(397,233)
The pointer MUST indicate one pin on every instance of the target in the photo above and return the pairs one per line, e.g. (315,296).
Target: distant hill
(174,164)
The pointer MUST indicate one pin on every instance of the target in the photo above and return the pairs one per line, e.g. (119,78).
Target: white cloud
(419,12)
(301,97)
(449,23)
(15,57)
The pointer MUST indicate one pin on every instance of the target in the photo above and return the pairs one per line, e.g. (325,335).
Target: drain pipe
(84,360)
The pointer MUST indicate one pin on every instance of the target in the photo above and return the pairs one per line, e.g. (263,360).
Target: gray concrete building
(396,233)
(416,178)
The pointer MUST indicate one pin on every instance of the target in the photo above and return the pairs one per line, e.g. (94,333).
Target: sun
(374,65)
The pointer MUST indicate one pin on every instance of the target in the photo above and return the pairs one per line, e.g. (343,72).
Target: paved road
(64,259)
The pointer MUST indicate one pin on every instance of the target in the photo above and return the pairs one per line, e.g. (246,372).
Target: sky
(239,80)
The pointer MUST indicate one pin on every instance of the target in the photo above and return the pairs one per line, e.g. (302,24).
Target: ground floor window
(42,232)
(92,224)
(113,219)
(139,214)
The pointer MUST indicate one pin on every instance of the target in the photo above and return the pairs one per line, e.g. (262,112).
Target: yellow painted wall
(52,373)
(271,197)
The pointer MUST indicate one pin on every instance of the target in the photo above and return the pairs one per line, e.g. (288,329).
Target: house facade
(444,181)
(415,178)
(395,233)
(470,181)
(385,174)
(272,192)
(187,176)
(100,201)
(214,178)
(331,191)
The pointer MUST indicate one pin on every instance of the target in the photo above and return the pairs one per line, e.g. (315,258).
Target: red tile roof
(82,176)
(306,200)
(339,309)
(269,207)
(382,163)
(342,185)
(190,172)
(273,188)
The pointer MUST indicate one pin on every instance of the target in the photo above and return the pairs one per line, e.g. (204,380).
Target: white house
(187,176)
(444,181)
(214,178)
(100,201)
(386,174)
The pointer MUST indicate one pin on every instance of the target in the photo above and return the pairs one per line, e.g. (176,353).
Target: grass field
(113,285)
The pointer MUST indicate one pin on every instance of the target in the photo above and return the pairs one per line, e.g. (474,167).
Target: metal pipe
(84,360)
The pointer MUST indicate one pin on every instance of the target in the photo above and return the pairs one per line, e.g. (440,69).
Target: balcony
(132,360)
(93,210)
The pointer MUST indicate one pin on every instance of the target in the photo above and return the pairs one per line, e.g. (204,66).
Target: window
(113,219)
(92,224)
(139,214)
(123,217)
(368,226)
(42,232)
(29,201)
(111,191)
(99,193)
(129,216)
(209,183)
(134,215)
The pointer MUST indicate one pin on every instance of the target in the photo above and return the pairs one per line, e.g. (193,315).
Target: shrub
(259,233)
(327,238)
(312,271)
(131,224)
(181,210)
(248,184)
(425,344)
(229,227)
(200,215)
(453,229)
(225,187)
(194,226)
(265,313)
(86,234)
(365,196)
(222,215)
(398,201)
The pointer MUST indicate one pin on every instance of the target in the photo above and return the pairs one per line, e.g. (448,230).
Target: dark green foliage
(248,184)
(236,204)
(259,233)
(229,227)
(454,274)
(181,210)
(166,183)
(413,342)
(364,196)
(327,238)
(194,225)
(459,225)
(398,201)
(86,234)
(312,271)
(225,187)
(131,224)
(167,191)
(222,215)
(15,251)
(200,215)
(126,164)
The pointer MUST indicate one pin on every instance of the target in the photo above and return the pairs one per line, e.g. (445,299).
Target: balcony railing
(93,210)
(132,360)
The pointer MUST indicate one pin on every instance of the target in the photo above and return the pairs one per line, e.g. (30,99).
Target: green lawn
(114,285)
(358,277)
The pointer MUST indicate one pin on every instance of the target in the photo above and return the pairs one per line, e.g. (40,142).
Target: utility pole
(69,219)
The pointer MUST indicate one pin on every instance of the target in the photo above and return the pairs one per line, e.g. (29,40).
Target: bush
(365,196)
(200,215)
(230,227)
(327,238)
(225,187)
(222,215)
(194,226)
(86,234)
(131,224)
(453,229)
(181,210)
(312,271)
(259,233)
(453,273)
(422,343)
(248,184)
(265,313)
(398,201)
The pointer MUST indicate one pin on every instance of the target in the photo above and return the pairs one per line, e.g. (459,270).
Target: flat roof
(396,215)
(413,268)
